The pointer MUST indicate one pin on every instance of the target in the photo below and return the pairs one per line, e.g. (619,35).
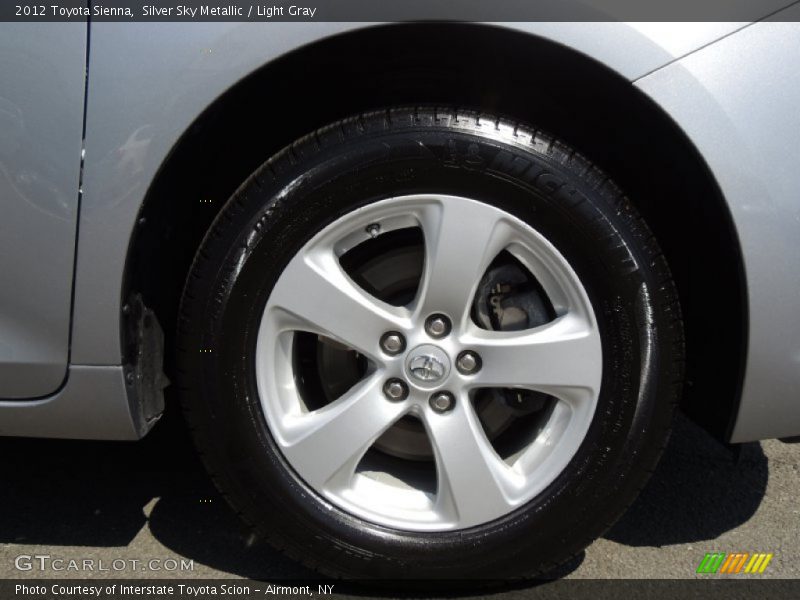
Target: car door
(42,83)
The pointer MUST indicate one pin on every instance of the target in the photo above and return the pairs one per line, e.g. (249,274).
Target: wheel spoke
(460,243)
(472,480)
(314,294)
(325,446)
(562,358)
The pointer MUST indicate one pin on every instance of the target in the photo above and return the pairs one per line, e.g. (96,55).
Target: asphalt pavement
(135,502)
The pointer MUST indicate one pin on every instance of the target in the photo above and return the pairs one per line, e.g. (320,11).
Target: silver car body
(732,88)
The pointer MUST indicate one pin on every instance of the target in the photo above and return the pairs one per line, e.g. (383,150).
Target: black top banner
(397,10)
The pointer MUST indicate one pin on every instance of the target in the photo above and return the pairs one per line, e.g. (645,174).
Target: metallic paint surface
(42,68)
(738,100)
(93,405)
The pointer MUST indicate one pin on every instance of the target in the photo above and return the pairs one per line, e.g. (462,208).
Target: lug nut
(395,389)
(437,326)
(442,402)
(393,342)
(468,363)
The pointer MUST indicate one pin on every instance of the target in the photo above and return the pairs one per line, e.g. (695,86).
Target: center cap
(427,365)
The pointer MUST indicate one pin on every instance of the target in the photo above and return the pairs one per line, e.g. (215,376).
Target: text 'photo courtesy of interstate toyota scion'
(427,295)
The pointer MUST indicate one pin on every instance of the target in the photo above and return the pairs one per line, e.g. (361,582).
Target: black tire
(404,151)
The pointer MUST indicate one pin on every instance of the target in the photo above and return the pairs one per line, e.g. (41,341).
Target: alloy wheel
(423,410)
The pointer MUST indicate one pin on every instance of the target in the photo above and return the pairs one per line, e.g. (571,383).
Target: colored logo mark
(737,562)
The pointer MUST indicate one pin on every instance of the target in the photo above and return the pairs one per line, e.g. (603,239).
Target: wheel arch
(515,74)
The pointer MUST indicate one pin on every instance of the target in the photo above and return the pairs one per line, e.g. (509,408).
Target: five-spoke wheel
(433,363)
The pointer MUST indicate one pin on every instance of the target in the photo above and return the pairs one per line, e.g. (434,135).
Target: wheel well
(510,73)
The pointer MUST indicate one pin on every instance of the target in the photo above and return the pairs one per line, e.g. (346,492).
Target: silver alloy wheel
(474,485)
